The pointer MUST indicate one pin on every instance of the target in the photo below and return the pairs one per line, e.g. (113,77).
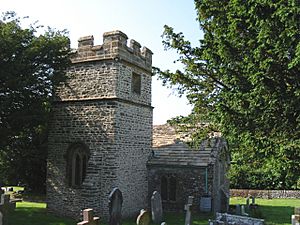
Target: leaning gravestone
(143,218)
(115,207)
(187,207)
(88,218)
(156,208)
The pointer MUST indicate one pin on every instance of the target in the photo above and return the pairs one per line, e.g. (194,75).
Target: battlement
(114,47)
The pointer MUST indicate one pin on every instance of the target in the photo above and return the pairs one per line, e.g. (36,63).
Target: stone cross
(156,208)
(115,207)
(88,218)
(143,218)
(187,207)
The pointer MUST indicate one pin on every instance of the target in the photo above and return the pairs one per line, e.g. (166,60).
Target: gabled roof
(168,150)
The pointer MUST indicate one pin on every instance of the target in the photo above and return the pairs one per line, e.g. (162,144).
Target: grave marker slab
(143,218)
(156,208)
(295,219)
(115,207)
(187,207)
(88,218)
(238,209)
(5,207)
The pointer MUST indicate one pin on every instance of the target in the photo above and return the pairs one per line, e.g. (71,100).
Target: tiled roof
(168,150)
(166,135)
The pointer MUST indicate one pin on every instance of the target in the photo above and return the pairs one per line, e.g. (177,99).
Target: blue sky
(142,20)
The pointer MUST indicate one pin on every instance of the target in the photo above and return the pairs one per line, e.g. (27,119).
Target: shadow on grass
(179,218)
(279,215)
(36,216)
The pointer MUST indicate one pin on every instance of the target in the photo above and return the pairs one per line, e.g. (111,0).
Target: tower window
(77,158)
(136,83)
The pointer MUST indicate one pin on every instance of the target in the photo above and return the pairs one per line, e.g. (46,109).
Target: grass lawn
(32,213)
(274,211)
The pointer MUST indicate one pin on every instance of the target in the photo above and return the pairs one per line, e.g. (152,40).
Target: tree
(243,81)
(31,65)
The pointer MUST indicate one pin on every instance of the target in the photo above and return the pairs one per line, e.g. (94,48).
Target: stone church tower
(101,132)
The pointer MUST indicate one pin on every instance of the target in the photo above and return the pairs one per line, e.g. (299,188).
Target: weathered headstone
(5,207)
(156,208)
(243,212)
(253,200)
(143,218)
(247,202)
(1,218)
(187,207)
(115,207)
(88,218)
(296,217)
(238,209)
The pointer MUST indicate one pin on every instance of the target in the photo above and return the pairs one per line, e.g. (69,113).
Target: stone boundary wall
(268,194)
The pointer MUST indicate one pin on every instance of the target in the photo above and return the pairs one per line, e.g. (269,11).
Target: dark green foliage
(243,80)
(31,65)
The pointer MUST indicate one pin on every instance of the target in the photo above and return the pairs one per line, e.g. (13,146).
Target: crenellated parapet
(114,47)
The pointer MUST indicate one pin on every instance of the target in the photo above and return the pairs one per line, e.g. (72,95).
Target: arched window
(164,188)
(168,188)
(77,159)
(172,189)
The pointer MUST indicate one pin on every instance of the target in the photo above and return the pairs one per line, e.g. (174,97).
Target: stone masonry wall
(89,123)
(268,194)
(97,107)
(133,129)
(190,182)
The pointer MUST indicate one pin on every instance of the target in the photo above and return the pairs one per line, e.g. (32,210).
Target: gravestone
(296,217)
(243,212)
(115,207)
(88,218)
(156,208)
(187,207)
(238,209)
(143,218)
(253,200)
(5,207)
(247,202)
